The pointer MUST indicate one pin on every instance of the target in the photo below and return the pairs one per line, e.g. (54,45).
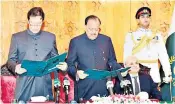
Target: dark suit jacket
(90,54)
(27,47)
(39,47)
(146,85)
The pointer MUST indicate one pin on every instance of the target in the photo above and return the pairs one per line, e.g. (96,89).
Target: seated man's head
(131,61)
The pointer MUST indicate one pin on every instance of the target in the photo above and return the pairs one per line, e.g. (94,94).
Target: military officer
(147,46)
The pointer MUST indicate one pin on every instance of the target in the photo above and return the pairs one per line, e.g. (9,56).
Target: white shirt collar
(132,79)
(133,75)
(144,30)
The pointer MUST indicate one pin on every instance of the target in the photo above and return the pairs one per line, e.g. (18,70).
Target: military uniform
(148,54)
(148,47)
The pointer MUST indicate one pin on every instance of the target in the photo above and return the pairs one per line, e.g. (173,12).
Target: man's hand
(20,70)
(167,79)
(81,74)
(62,66)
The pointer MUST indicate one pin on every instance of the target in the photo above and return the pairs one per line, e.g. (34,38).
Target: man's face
(92,28)
(144,20)
(133,64)
(35,23)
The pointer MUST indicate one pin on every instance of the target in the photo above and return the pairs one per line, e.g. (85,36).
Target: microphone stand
(56,87)
(125,90)
(66,95)
(130,89)
(66,85)
(57,94)
(110,86)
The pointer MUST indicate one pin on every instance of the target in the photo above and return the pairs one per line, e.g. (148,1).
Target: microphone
(127,82)
(121,79)
(66,86)
(110,86)
(129,87)
(123,83)
(126,85)
(57,89)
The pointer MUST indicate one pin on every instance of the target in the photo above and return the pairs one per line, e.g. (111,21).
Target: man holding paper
(91,50)
(36,45)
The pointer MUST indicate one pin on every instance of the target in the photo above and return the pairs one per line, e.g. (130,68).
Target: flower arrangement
(121,99)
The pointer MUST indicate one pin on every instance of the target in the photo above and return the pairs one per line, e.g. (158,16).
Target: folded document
(40,68)
(103,74)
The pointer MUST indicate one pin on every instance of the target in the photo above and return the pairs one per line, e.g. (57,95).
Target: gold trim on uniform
(147,61)
(145,40)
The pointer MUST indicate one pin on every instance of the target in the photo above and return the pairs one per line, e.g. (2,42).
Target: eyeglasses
(93,29)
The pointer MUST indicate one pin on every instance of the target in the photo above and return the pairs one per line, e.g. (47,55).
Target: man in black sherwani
(90,50)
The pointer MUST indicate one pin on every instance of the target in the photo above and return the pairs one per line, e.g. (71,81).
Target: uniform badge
(155,39)
(138,39)
(145,11)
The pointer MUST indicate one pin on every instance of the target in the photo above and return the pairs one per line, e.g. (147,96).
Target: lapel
(141,81)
